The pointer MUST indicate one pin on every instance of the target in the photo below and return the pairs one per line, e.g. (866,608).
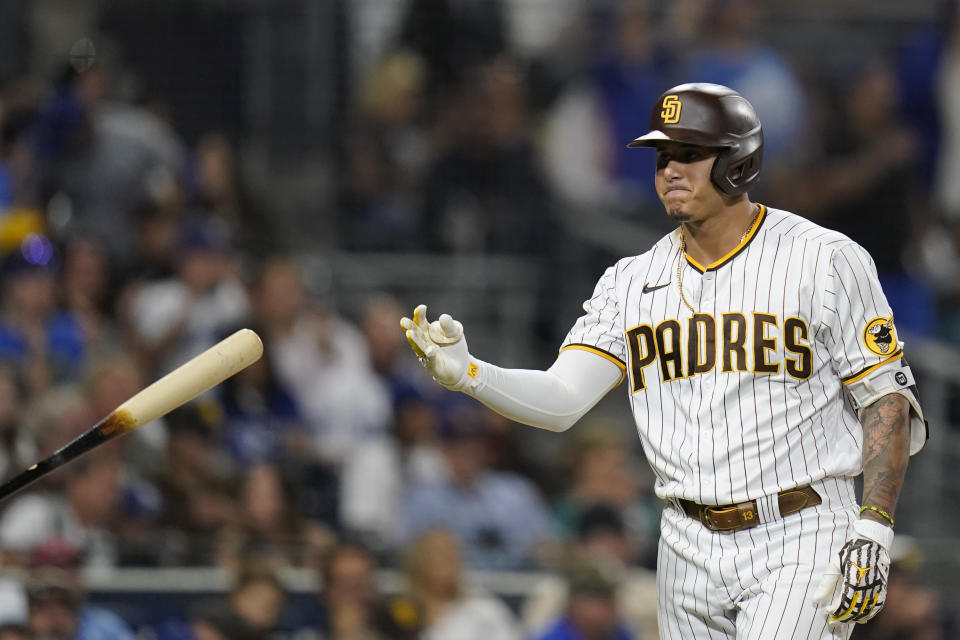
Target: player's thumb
(451,328)
(828,584)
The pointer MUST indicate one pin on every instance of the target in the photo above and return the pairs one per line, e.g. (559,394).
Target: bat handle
(73,449)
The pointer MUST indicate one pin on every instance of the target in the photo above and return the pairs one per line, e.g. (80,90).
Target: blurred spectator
(175,319)
(736,57)
(17,448)
(53,613)
(269,525)
(377,475)
(262,421)
(923,65)
(18,170)
(158,230)
(454,37)
(589,126)
(197,487)
(15,632)
(48,422)
(438,603)
(943,88)
(541,30)
(866,188)
(603,472)
(86,292)
(59,609)
(602,549)
(216,188)
(374,215)
(351,607)
(322,360)
(141,542)
(252,610)
(373,27)
(389,355)
(46,345)
(257,597)
(499,518)
(591,611)
(485,190)
(391,102)
(81,517)
(13,600)
(386,158)
(930,93)
(104,156)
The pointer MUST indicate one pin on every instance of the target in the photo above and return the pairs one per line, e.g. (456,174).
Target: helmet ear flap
(735,178)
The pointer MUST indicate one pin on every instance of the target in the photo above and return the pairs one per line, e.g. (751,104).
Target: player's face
(683,181)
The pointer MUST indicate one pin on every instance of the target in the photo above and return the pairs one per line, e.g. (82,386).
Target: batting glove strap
(875,531)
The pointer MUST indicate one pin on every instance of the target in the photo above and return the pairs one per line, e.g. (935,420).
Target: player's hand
(854,588)
(440,347)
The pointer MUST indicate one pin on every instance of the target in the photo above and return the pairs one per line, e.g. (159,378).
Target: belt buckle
(706,520)
(709,522)
(746,516)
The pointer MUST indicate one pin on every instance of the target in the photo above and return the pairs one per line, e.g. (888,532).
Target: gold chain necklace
(683,251)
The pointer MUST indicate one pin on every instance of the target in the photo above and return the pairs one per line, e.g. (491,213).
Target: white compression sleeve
(553,399)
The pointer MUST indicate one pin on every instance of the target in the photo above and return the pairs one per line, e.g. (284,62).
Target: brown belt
(743,515)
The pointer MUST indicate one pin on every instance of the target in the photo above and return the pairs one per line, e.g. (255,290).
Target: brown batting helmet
(715,116)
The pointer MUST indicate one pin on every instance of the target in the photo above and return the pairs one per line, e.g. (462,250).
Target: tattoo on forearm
(886,450)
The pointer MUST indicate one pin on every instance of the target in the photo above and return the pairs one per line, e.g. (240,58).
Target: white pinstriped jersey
(744,397)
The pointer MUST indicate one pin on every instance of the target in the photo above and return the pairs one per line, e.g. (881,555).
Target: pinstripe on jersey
(744,398)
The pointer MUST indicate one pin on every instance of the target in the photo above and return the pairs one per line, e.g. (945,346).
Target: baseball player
(764,373)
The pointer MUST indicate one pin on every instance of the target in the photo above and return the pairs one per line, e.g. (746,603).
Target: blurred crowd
(479,129)
(474,126)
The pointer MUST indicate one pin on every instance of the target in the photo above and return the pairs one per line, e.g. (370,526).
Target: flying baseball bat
(229,356)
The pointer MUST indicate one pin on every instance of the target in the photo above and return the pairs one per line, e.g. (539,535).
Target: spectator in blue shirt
(738,58)
(591,612)
(262,420)
(58,611)
(499,518)
(45,345)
